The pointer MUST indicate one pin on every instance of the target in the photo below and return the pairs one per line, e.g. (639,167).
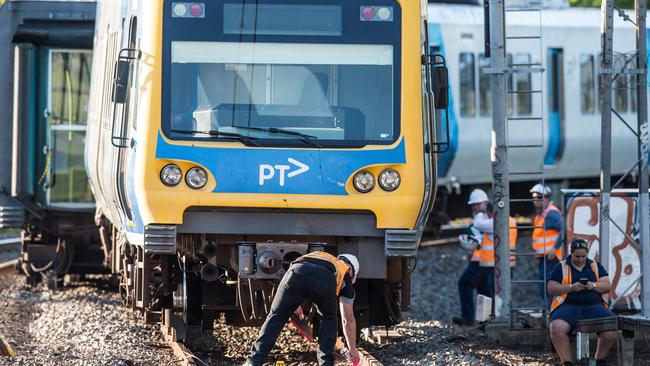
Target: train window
(632,84)
(599,86)
(620,85)
(484,90)
(70,80)
(467,85)
(588,100)
(510,86)
(523,80)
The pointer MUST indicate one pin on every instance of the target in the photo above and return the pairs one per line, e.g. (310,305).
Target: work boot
(462,321)
(602,362)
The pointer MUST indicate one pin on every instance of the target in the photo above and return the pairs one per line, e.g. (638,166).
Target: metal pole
(607,33)
(500,184)
(642,119)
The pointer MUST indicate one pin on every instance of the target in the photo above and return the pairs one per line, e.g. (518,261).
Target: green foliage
(622,4)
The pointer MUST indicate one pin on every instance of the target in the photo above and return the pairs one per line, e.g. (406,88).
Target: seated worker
(578,286)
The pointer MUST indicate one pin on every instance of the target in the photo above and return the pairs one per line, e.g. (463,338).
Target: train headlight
(171,175)
(364,182)
(389,180)
(196,178)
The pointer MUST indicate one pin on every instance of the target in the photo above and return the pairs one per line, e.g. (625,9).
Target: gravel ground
(428,335)
(86,325)
(83,325)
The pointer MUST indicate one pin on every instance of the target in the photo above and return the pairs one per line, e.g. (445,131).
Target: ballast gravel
(86,324)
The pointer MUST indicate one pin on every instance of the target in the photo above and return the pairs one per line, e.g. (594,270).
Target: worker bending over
(325,280)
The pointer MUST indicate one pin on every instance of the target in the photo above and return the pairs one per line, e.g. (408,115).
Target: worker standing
(547,234)
(479,273)
(322,278)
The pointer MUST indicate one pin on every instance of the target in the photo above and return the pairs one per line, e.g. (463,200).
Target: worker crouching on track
(322,278)
(479,273)
(578,285)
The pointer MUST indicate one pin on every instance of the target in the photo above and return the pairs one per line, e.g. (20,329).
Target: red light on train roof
(368,13)
(196,9)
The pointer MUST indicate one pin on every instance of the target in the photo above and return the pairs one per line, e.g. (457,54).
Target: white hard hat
(352,259)
(477,196)
(542,189)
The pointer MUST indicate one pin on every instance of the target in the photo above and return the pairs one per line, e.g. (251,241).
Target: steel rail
(366,359)
(181,351)
(8,267)
(9,241)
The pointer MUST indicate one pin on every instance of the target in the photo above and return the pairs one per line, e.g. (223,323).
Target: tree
(622,4)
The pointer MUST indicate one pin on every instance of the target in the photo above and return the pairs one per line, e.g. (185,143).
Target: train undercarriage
(235,276)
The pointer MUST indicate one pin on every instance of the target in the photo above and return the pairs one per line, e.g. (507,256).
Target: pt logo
(267,172)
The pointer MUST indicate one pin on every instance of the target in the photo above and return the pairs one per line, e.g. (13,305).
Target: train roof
(572,17)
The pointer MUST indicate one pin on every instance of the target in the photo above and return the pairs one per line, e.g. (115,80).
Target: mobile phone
(584,281)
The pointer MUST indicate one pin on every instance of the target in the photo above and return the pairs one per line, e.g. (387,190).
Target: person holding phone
(578,286)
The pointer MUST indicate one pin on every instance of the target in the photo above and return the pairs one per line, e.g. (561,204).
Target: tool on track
(5,348)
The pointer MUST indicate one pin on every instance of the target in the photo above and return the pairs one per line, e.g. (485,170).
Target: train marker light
(368,13)
(389,180)
(383,13)
(171,175)
(179,10)
(364,181)
(188,10)
(196,178)
(196,9)
(376,14)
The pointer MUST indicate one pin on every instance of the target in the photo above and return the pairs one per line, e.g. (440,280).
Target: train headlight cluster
(389,180)
(196,178)
(364,181)
(171,175)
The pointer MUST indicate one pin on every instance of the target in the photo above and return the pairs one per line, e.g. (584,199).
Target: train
(568,99)
(200,216)
(227,138)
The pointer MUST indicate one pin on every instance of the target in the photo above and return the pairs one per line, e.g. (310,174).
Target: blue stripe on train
(445,159)
(281,171)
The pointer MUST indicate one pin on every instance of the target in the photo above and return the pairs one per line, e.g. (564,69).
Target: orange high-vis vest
(487,246)
(544,239)
(341,267)
(476,254)
(566,280)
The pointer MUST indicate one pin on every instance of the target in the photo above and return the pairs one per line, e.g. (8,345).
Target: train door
(66,98)
(556,116)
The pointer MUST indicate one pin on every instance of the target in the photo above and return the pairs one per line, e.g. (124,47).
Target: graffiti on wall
(581,209)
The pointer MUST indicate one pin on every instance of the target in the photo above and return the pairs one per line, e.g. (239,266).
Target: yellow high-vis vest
(566,280)
(339,265)
(544,239)
(487,246)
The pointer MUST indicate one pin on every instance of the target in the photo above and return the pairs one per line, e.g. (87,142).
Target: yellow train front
(227,138)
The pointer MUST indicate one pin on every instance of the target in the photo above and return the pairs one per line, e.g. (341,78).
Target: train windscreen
(284,74)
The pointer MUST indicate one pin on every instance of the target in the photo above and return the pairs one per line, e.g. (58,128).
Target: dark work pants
(550,264)
(302,280)
(474,277)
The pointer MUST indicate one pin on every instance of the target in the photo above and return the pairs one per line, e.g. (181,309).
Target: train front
(283,127)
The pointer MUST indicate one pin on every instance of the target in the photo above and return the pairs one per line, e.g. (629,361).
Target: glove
(474,235)
(466,242)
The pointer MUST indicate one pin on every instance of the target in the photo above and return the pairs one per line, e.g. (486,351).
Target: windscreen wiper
(303,137)
(216,133)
